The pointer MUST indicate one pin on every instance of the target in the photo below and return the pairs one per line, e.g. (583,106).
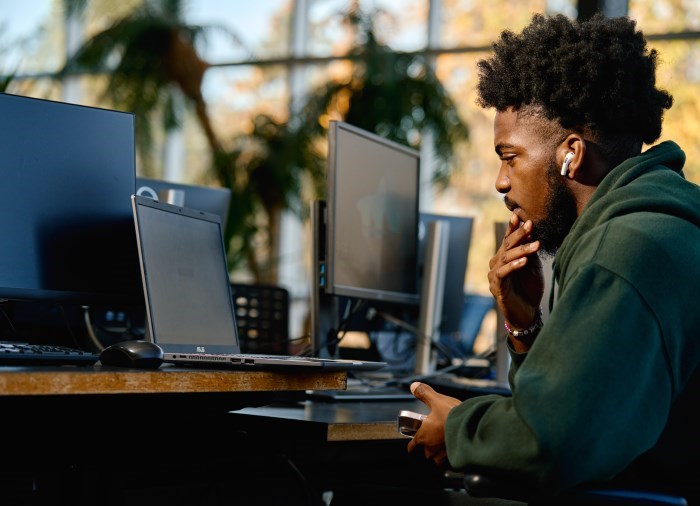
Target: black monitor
(372,217)
(203,198)
(67,174)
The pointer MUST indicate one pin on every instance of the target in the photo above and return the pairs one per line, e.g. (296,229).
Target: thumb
(422,392)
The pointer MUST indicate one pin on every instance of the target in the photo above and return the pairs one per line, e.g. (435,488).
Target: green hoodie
(598,395)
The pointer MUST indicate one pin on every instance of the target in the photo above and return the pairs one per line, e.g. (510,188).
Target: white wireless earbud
(567,161)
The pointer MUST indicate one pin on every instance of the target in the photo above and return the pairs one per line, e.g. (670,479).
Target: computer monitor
(372,216)
(390,326)
(65,212)
(365,234)
(203,198)
(458,242)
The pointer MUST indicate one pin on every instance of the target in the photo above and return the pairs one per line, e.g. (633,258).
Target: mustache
(510,204)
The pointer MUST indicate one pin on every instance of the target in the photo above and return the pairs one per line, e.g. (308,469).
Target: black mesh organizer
(262,318)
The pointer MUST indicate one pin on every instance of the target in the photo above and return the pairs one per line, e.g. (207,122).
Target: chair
(262,318)
(483,486)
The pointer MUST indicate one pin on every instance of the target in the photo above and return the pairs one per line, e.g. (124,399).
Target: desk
(350,448)
(94,435)
(181,436)
(330,421)
(97,380)
(106,394)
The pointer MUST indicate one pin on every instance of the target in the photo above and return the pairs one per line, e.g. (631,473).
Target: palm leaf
(396,95)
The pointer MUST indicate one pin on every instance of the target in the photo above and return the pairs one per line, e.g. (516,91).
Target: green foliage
(151,52)
(396,95)
(266,171)
(393,94)
(5,82)
(142,53)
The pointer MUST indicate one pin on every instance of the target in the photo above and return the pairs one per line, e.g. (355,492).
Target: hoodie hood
(617,195)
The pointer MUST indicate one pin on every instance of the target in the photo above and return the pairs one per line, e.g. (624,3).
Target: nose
(502,179)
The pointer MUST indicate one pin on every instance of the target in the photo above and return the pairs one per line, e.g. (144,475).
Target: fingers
(412,445)
(517,237)
(520,252)
(422,392)
(513,254)
(437,455)
(514,244)
(513,225)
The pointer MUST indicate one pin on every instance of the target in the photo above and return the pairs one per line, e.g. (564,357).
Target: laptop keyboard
(20,354)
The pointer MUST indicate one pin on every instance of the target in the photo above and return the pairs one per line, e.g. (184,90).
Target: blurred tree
(393,94)
(151,51)
(5,82)
(396,95)
(148,54)
(267,170)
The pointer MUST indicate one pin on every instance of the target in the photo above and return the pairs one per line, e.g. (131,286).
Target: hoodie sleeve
(586,398)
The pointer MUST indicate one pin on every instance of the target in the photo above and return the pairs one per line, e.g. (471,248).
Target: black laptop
(189,309)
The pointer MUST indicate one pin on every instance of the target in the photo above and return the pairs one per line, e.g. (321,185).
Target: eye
(509,158)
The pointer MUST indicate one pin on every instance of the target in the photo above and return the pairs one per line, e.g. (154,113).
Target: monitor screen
(67,176)
(372,216)
(203,198)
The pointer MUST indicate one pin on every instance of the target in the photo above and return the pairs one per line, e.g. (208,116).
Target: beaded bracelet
(536,325)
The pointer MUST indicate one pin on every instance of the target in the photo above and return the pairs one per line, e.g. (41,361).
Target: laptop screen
(185,277)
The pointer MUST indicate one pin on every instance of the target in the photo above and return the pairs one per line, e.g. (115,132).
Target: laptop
(189,309)
(205,198)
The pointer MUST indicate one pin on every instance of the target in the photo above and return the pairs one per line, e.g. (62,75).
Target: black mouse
(133,353)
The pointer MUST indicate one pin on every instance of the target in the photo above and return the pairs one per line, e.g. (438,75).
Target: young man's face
(529,177)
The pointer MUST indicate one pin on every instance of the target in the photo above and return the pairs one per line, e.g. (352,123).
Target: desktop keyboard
(20,354)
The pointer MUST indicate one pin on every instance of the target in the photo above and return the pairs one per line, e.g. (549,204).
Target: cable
(310,496)
(372,312)
(95,331)
(9,320)
(68,326)
(90,330)
(340,333)
(420,336)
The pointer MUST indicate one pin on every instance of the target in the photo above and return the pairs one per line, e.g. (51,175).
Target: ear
(575,147)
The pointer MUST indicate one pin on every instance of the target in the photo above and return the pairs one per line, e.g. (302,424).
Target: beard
(560,214)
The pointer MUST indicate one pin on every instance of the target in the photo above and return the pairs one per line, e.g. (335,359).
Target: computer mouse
(133,353)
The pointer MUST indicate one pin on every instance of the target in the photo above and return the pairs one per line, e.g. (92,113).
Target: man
(605,391)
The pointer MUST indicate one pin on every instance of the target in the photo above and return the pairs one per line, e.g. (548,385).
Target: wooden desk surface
(61,381)
(331,421)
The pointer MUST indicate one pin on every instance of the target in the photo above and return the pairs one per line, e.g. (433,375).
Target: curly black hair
(596,76)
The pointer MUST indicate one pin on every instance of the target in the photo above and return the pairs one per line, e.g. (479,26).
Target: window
(267,59)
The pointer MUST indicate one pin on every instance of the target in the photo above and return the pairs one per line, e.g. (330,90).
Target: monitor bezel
(330,218)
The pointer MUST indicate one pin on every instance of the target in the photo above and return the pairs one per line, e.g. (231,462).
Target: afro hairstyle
(596,76)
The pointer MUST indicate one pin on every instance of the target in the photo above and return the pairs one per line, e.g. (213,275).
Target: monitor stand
(432,289)
(324,307)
